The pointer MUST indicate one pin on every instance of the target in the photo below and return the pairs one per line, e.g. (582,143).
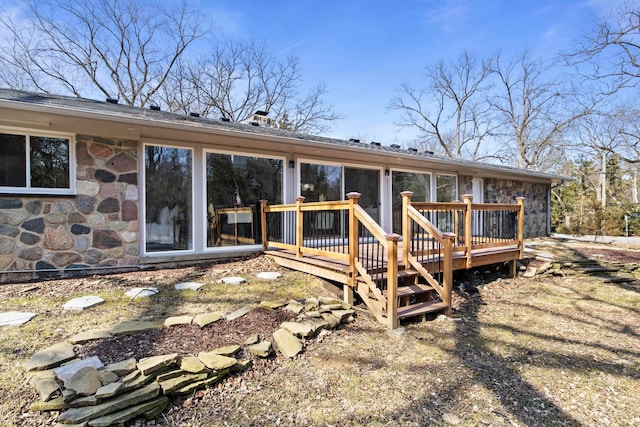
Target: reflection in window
(446,188)
(418,183)
(319,183)
(235,186)
(168,197)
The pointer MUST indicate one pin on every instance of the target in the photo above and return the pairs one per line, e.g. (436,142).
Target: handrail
(369,274)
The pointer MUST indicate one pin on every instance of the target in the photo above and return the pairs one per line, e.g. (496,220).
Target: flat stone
(82,402)
(64,372)
(46,388)
(227,350)
(167,375)
(108,390)
(334,302)
(141,292)
(294,307)
(300,329)
(122,368)
(52,405)
(131,327)
(155,412)
(89,335)
(272,304)
(177,320)
(138,382)
(173,384)
(80,415)
(50,357)
(235,280)
(269,275)
(252,339)
(155,363)
(15,318)
(530,272)
(547,265)
(332,320)
(82,303)
(187,286)
(205,319)
(189,388)
(84,382)
(287,343)
(216,361)
(311,304)
(262,349)
(240,312)
(192,365)
(107,377)
(343,315)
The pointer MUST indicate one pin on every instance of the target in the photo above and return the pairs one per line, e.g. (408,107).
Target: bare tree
(612,49)
(534,110)
(236,79)
(119,48)
(450,112)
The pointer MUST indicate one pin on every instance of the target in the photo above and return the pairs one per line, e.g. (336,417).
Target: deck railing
(475,225)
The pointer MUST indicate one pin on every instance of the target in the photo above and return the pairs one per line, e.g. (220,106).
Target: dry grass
(537,352)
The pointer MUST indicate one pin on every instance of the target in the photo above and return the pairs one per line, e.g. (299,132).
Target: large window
(168,198)
(418,183)
(35,163)
(235,186)
(446,188)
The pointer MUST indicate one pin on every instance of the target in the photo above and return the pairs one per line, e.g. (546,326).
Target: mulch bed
(187,339)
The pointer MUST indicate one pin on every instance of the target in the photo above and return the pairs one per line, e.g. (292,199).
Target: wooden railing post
(468,226)
(299,226)
(447,270)
(353,198)
(263,225)
(392,280)
(520,201)
(406,227)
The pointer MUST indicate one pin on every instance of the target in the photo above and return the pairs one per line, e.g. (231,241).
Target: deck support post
(392,280)
(299,228)
(447,270)
(353,198)
(520,201)
(406,227)
(468,226)
(263,218)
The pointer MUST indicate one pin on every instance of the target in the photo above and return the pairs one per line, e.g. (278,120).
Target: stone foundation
(98,228)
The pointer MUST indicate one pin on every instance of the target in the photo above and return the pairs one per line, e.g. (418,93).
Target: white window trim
(28,190)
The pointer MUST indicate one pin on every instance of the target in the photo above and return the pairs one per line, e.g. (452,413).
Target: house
(96,186)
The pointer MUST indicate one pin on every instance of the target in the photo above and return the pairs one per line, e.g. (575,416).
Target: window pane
(319,183)
(367,183)
(418,183)
(446,188)
(49,162)
(168,209)
(235,186)
(13,170)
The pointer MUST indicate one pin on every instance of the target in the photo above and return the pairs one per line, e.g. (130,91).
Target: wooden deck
(352,249)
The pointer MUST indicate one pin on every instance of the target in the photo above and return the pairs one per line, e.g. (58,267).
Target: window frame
(28,189)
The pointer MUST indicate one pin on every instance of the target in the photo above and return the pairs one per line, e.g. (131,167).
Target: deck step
(421,308)
(406,291)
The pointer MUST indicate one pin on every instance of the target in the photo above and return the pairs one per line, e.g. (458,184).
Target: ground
(551,350)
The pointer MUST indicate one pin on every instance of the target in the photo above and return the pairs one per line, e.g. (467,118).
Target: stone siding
(98,228)
(535,204)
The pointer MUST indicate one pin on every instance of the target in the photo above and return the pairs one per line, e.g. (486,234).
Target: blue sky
(364,50)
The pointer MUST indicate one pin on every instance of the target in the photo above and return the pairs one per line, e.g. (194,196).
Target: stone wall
(97,228)
(535,204)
